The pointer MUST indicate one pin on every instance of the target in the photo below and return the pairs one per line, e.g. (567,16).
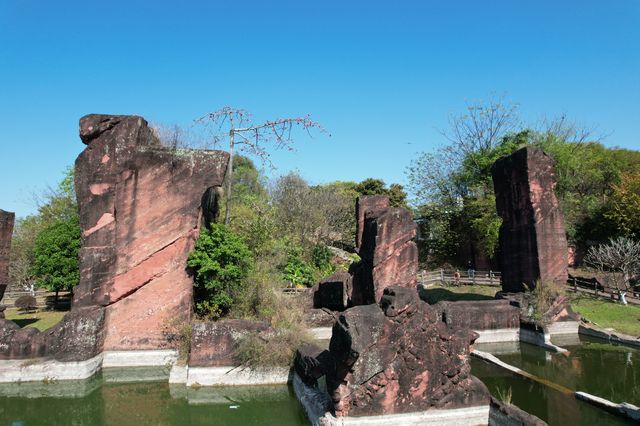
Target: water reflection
(591,365)
(99,402)
(551,405)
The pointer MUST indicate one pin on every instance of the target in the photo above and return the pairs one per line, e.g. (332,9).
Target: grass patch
(608,314)
(42,320)
(441,293)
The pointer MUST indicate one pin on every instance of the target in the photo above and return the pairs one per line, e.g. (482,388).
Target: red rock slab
(143,319)
(7,220)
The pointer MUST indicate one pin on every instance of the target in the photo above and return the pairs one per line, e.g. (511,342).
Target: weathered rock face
(533,244)
(6,231)
(333,292)
(139,215)
(78,337)
(364,204)
(479,315)
(399,357)
(214,344)
(389,254)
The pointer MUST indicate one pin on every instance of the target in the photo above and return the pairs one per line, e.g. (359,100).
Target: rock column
(533,244)
(6,231)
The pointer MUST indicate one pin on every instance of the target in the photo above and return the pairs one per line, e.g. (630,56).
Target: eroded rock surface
(333,292)
(214,344)
(139,215)
(363,205)
(389,256)
(79,336)
(480,315)
(533,244)
(6,231)
(400,357)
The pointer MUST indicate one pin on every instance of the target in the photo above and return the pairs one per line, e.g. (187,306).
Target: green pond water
(591,365)
(97,402)
(143,396)
(554,407)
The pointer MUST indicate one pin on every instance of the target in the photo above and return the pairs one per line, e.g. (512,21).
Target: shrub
(297,271)
(278,347)
(26,303)
(541,299)
(56,265)
(321,257)
(220,262)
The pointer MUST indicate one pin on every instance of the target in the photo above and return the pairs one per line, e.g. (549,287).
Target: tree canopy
(453,187)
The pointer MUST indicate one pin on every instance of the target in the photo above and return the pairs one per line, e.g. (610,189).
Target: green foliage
(56,247)
(296,270)
(540,299)
(321,257)
(286,316)
(220,262)
(484,221)
(625,205)
(395,192)
(57,217)
(455,190)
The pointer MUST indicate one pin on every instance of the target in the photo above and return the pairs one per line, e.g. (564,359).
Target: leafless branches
(253,139)
(620,258)
(481,127)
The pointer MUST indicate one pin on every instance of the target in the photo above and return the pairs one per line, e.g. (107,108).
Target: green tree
(55,224)
(297,271)
(220,262)
(56,248)
(625,205)
(457,178)
(395,192)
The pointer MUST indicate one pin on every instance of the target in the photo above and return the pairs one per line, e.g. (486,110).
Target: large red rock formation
(398,357)
(533,243)
(389,256)
(6,231)
(139,215)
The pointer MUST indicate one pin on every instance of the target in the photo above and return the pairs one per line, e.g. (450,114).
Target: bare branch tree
(481,127)
(253,139)
(620,259)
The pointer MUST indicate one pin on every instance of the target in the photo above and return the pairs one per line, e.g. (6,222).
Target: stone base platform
(112,362)
(316,403)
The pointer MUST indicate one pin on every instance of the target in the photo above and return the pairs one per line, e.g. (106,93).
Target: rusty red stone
(139,205)
(532,241)
(7,220)
(399,357)
(389,256)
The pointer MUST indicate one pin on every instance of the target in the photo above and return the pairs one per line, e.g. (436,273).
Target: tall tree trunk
(229,172)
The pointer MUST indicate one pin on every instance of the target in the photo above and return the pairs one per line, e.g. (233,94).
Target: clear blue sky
(381,76)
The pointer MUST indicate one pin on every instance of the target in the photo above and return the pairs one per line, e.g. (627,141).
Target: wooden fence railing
(596,288)
(463,277)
